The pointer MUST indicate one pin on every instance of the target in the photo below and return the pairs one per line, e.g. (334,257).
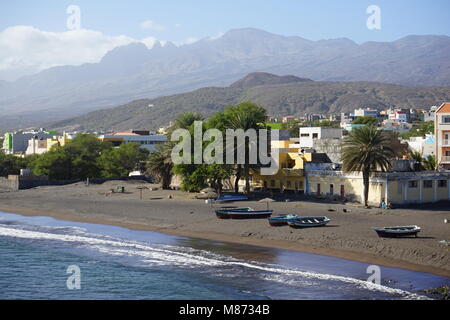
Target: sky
(34,35)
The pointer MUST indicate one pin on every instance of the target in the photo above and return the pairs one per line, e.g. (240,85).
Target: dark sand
(349,235)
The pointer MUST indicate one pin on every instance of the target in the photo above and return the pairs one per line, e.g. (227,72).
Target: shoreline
(232,238)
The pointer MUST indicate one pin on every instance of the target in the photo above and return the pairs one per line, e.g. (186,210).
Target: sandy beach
(349,234)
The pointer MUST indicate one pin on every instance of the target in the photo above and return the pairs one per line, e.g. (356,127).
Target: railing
(293,172)
(445,159)
(446,142)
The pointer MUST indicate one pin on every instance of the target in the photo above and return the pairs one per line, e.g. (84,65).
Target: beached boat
(222,213)
(282,220)
(397,232)
(308,222)
(231,197)
(243,213)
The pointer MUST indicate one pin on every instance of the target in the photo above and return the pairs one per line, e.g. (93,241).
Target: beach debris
(287,200)
(346,210)
(445,221)
(445,242)
(169,196)
(331,210)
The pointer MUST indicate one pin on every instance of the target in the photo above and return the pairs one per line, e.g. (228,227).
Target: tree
(78,159)
(244,116)
(419,130)
(120,161)
(185,121)
(293,127)
(365,150)
(429,163)
(426,163)
(10,164)
(368,120)
(160,164)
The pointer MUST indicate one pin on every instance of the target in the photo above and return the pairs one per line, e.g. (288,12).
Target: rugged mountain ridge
(292,98)
(135,72)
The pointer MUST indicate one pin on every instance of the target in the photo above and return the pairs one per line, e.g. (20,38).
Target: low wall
(14,183)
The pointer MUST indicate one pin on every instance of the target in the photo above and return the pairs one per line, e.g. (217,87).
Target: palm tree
(429,163)
(244,116)
(426,163)
(160,164)
(417,157)
(365,150)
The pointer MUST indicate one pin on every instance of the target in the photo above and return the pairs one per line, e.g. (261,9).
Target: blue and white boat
(308,222)
(282,220)
(231,197)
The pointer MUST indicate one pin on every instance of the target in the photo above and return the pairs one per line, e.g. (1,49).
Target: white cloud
(217,36)
(26,50)
(149,24)
(191,40)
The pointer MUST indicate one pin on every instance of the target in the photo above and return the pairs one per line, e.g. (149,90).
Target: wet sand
(349,235)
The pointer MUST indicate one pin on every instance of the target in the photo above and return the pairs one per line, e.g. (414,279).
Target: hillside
(135,72)
(263,78)
(279,99)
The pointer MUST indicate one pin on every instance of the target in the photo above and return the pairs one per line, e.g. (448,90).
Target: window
(272,183)
(289,183)
(331,189)
(442,183)
(315,135)
(445,119)
(304,135)
(412,184)
(427,184)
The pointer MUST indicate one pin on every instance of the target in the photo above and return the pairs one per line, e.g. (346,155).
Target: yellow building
(290,176)
(40,146)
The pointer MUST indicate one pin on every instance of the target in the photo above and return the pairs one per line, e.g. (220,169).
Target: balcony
(446,142)
(293,172)
(445,159)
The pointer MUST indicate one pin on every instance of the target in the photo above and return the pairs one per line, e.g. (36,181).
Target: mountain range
(136,72)
(280,95)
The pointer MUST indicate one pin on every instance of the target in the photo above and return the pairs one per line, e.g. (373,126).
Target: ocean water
(117,263)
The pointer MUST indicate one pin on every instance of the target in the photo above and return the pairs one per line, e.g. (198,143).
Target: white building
(308,135)
(146,139)
(366,113)
(425,146)
(399,116)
